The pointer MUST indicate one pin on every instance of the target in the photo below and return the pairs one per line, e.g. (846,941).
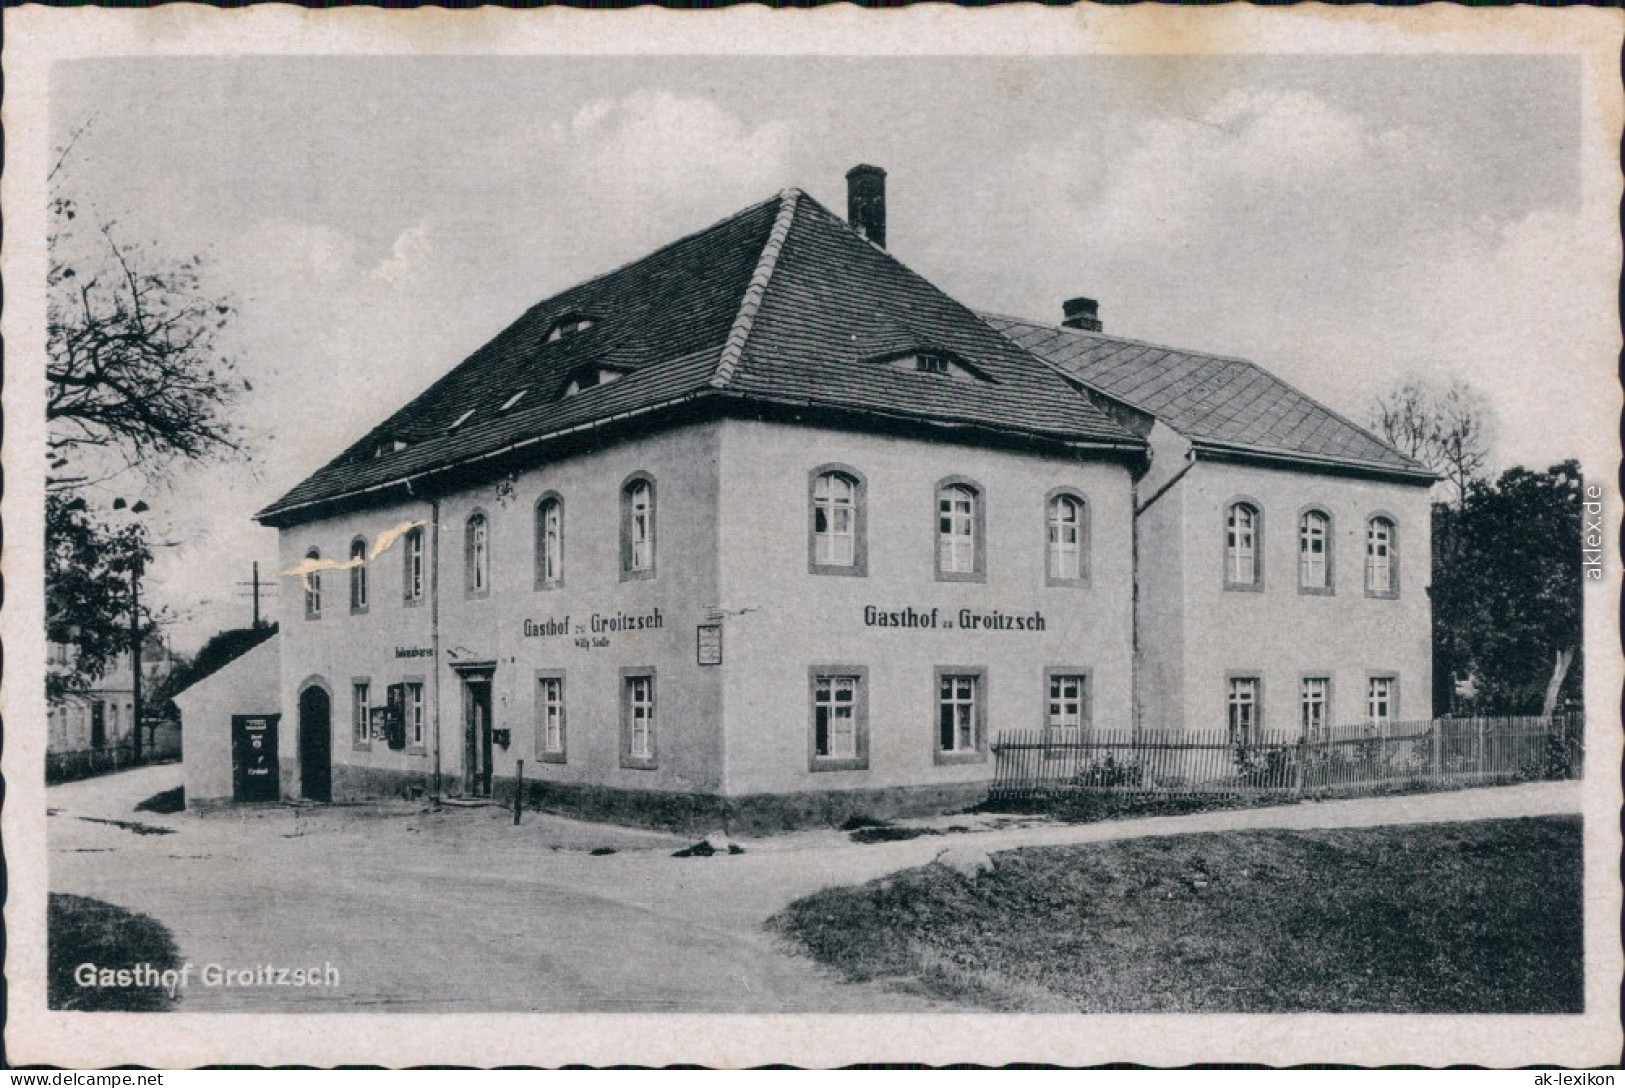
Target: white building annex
(764,528)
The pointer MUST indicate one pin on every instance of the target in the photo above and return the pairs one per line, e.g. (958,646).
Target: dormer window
(387,446)
(588,376)
(459,421)
(513,400)
(936,362)
(570,325)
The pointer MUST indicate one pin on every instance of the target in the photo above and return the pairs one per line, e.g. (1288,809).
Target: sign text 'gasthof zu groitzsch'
(965,619)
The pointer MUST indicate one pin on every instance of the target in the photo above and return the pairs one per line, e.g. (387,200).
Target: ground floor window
(414,714)
(550,718)
(1066,709)
(1314,701)
(840,712)
(1381,700)
(638,720)
(361,714)
(961,714)
(1245,717)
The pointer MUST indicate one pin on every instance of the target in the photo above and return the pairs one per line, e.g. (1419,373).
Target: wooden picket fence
(1343,760)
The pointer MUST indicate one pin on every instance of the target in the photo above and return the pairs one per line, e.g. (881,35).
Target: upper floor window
(836,543)
(1067,548)
(358,575)
(1315,551)
(313,585)
(549,542)
(638,527)
(1381,558)
(412,566)
(1243,546)
(477,544)
(960,531)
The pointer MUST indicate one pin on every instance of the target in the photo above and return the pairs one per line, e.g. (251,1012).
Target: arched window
(1067,541)
(836,522)
(313,585)
(412,566)
(549,542)
(1315,552)
(358,575)
(1243,546)
(1381,557)
(638,527)
(960,531)
(477,554)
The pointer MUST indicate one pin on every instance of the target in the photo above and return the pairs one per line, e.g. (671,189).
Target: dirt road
(460,910)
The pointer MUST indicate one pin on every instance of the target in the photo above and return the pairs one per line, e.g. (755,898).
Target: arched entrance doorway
(315,744)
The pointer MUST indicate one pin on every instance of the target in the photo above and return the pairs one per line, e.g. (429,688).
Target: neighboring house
(765,526)
(219,745)
(99,717)
(1284,553)
(103,716)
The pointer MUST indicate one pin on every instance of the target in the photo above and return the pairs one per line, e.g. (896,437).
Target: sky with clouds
(1344,221)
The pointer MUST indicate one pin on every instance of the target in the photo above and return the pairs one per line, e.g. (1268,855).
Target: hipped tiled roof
(1223,403)
(781,304)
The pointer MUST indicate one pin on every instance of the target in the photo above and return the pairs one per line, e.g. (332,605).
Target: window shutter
(395,720)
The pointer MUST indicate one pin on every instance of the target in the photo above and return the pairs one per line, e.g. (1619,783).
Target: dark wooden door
(98,724)
(315,745)
(255,772)
(477,736)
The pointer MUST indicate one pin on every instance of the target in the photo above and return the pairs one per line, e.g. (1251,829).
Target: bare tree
(1449,430)
(134,370)
(136,380)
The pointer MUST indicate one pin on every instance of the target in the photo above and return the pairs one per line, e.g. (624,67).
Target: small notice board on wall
(708,643)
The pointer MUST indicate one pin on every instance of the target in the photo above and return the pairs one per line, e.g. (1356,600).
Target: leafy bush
(1110,773)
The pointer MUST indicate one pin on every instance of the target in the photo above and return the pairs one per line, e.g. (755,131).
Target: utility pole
(135,657)
(258,588)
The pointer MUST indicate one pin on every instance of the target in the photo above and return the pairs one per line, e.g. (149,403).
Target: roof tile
(1206,398)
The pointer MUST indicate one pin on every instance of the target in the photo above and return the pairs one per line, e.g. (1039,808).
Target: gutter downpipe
(1134,559)
(434,634)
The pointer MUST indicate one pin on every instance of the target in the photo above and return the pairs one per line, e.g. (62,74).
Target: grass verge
(81,930)
(1439,918)
(165,803)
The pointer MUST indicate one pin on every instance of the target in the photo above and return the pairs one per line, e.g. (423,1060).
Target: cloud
(412,247)
(659,145)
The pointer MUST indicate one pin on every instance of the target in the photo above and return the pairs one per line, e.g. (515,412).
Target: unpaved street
(460,910)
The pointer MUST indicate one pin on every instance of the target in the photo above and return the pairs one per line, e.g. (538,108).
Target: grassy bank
(81,930)
(1443,918)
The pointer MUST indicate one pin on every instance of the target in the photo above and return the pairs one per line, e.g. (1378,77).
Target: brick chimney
(866,202)
(1081,313)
